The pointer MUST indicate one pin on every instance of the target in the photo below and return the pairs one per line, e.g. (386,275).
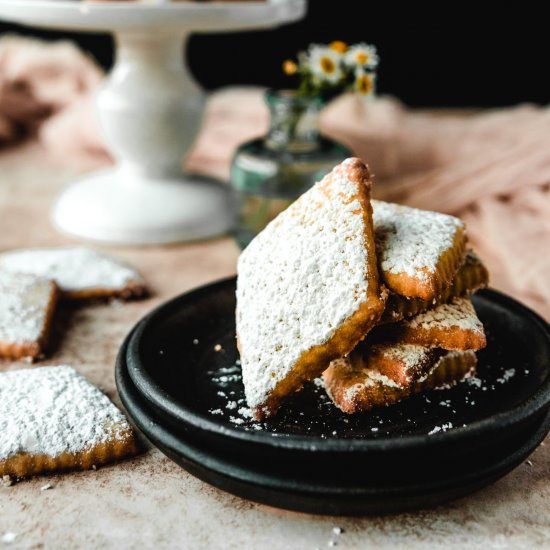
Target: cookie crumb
(8,537)
(337,530)
(217,347)
(47,487)
(7,481)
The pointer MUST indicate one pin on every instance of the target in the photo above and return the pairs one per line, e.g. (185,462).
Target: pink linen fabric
(492,168)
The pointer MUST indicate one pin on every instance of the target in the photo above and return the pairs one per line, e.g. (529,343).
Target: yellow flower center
(339,46)
(364,84)
(327,65)
(289,67)
(362,57)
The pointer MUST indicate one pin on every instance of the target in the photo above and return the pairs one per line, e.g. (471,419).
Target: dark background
(446,56)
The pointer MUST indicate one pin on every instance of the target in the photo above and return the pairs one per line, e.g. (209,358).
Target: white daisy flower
(362,55)
(324,63)
(364,82)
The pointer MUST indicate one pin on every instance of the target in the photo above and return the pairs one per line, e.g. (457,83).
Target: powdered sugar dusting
(299,279)
(409,240)
(459,312)
(55,410)
(410,355)
(442,428)
(73,268)
(372,378)
(23,307)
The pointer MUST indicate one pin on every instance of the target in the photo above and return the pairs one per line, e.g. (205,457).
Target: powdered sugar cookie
(450,326)
(79,272)
(419,251)
(53,419)
(307,287)
(27,306)
(471,276)
(357,385)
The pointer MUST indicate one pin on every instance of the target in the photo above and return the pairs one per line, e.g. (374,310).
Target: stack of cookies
(373,296)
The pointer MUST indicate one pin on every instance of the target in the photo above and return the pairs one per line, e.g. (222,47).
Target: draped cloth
(491,168)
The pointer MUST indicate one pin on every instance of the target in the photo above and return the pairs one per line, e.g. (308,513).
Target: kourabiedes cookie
(53,419)
(402,363)
(419,251)
(27,305)
(80,272)
(450,326)
(471,276)
(307,287)
(355,386)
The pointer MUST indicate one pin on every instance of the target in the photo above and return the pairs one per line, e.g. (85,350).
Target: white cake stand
(150,110)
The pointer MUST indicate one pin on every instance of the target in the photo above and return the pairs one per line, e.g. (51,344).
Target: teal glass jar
(269,173)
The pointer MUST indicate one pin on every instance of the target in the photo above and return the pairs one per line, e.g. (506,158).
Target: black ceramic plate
(267,484)
(182,362)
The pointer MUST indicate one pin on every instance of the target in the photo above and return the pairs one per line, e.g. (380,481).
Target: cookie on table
(27,305)
(52,419)
(356,387)
(419,252)
(307,287)
(80,272)
(470,277)
(451,326)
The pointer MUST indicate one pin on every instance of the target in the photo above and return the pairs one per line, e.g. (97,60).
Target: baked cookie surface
(451,326)
(52,419)
(355,386)
(307,287)
(471,276)
(80,272)
(419,251)
(27,305)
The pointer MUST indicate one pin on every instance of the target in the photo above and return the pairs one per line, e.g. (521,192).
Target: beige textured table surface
(149,501)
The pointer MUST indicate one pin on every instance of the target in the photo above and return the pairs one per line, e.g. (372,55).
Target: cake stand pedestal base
(113,207)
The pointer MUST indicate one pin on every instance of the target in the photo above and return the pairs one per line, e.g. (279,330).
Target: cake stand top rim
(135,16)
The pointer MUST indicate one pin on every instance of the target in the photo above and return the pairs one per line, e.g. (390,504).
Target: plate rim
(472,480)
(155,394)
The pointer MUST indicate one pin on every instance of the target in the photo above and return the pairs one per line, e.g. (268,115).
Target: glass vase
(269,173)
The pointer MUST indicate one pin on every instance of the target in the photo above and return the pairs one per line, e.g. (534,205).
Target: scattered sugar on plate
(245,411)
(507,374)
(474,381)
(442,428)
